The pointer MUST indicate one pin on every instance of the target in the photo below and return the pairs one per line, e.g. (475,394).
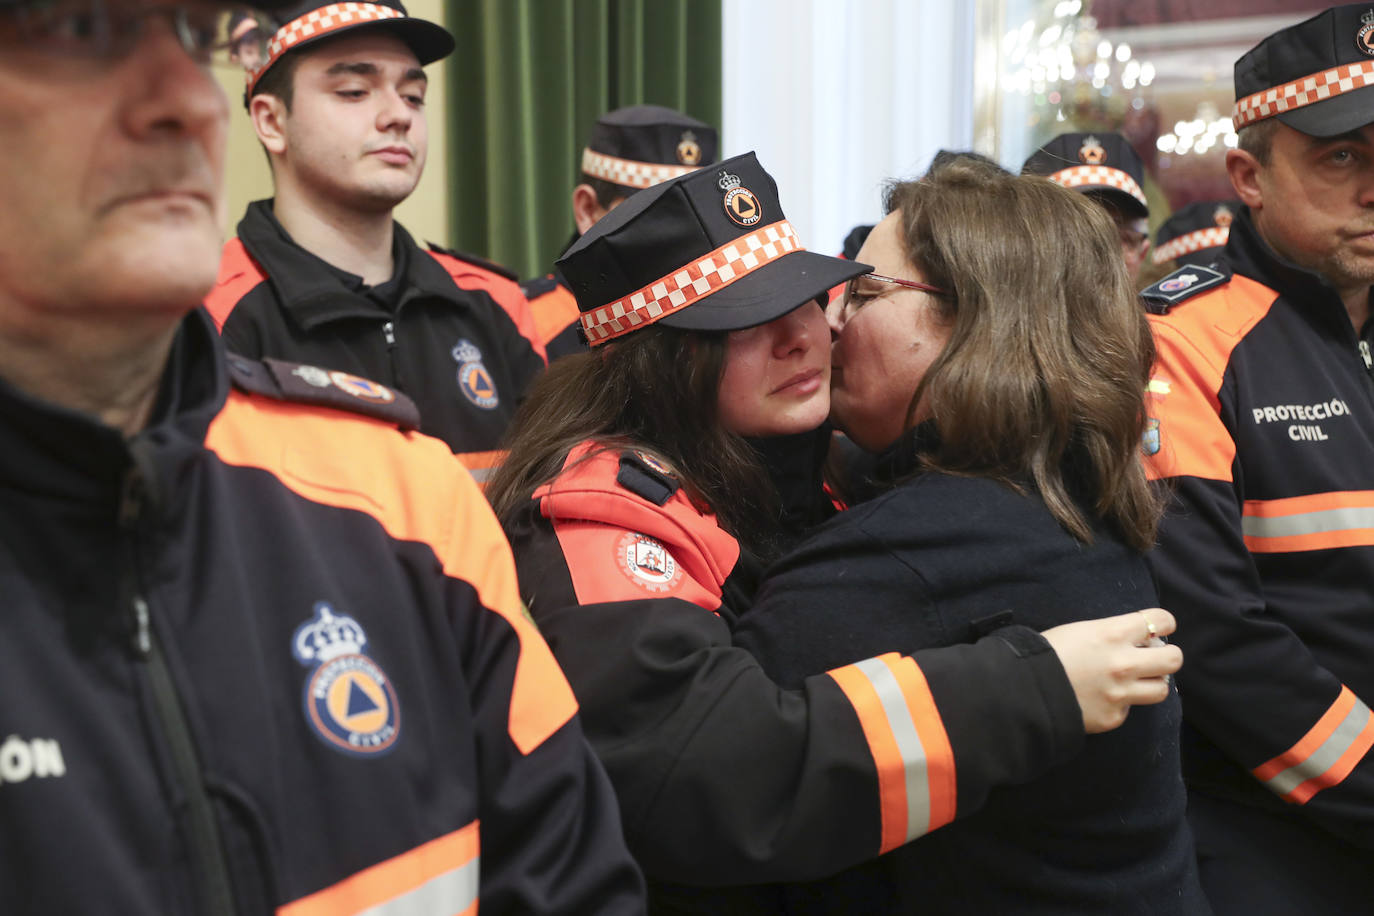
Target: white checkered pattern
(1301,92)
(705,275)
(319,22)
(1211,237)
(1099,176)
(628,172)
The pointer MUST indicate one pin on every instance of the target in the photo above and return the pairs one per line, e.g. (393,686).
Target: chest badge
(349,701)
(474,380)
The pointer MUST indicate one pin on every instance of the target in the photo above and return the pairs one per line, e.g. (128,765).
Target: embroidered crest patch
(647,563)
(474,380)
(349,701)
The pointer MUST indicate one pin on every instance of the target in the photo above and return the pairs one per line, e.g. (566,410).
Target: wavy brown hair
(657,390)
(1044,373)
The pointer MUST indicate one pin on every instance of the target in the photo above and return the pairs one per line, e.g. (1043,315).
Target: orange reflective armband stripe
(439,877)
(906,736)
(1325,755)
(1318,521)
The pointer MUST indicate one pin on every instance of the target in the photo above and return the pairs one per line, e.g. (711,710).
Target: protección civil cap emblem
(1223,216)
(349,701)
(1092,152)
(740,203)
(1364,40)
(688,149)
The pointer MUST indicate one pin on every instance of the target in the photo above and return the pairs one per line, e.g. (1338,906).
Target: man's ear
(587,210)
(268,114)
(1244,170)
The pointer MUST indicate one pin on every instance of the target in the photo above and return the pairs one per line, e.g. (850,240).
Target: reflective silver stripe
(908,743)
(480,474)
(1320,522)
(1325,756)
(450,893)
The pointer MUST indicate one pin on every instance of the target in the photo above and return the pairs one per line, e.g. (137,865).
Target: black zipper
(210,868)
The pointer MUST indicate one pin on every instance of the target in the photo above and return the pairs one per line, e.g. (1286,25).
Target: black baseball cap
(1316,76)
(1195,233)
(643,145)
(304,24)
(1103,164)
(708,251)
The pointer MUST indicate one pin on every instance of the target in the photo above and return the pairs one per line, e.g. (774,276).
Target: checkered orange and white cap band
(318,22)
(628,172)
(1211,237)
(1098,176)
(702,277)
(1302,92)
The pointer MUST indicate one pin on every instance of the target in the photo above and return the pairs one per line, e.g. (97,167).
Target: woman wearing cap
(648,481)
(1004,391)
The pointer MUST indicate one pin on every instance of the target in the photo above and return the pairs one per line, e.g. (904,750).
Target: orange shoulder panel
(371,467)
(1195,341)
(238,273)
(505,291)
(620,547)
(554,311)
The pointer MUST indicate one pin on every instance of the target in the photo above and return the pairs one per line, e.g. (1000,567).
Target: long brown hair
(1049,352)
(655,390)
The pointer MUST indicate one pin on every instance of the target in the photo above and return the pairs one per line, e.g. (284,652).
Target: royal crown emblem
(688,150)
(350,702)
(727,182)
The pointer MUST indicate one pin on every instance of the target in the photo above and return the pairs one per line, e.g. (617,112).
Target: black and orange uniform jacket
(555,315)
(271,658)
(1262,416)
(438,331)
(723,777)
(933,560)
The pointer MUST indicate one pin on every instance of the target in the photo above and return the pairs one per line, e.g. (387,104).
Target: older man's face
(111,194)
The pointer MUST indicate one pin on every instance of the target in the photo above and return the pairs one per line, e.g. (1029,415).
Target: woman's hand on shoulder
(1117,662)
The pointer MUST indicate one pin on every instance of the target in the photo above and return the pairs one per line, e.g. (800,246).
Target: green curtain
(526,82)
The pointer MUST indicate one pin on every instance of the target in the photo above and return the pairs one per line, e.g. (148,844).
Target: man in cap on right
(1107,169)
(630,149)
(1262,418)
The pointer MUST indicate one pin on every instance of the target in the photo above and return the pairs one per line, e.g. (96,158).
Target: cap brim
(1333,116)
(428,41)
(1126,202)
(769,292)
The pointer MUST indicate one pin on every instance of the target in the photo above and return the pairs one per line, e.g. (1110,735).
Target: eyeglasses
(106,30)
(855,300)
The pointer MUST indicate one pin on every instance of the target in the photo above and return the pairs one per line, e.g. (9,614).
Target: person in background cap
(649,481)
(1106,168)
(322,273)
(261,651)
(1263,423)
(1194,233)
(630,149)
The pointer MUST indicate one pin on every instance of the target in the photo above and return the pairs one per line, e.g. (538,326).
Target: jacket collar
(52,449)
(1248,254)
(314,292)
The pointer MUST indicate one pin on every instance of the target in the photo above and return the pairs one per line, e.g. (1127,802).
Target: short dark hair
(1258,139)
(606,192)
(280,79)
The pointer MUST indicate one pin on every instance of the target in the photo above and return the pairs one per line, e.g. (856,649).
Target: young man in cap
(1263,422)
(322,273)
(256,656)
(1107,169)
(630,149)
(1195,233)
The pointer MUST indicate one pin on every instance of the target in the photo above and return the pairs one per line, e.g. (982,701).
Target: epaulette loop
(646,476)
(1182,284)
(538,286)
(303,384)
(499,269)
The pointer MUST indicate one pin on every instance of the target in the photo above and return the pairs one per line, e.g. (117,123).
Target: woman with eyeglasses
(650,480)
(1002,383)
